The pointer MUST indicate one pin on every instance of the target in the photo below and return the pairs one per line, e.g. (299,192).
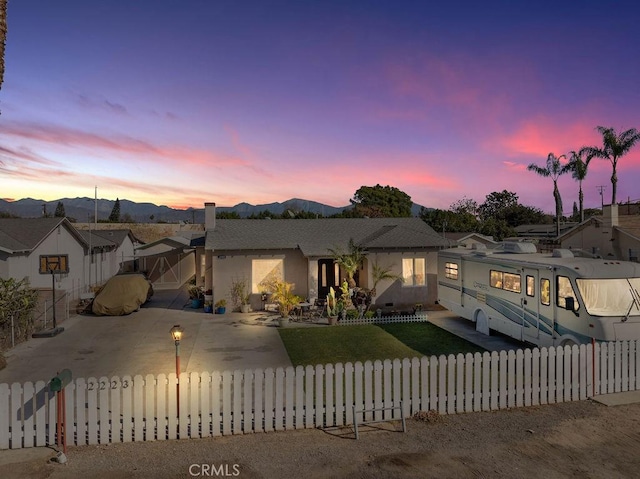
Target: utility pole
(601,188)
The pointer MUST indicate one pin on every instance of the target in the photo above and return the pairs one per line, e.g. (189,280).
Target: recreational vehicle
(545,299)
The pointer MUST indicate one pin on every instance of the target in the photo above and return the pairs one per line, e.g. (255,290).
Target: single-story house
(30,246)
(297,250)
(468,239)
(610,235)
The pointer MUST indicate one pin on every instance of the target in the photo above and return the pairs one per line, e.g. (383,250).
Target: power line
(601,188)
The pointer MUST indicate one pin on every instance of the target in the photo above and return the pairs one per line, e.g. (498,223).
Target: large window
(263,271)
(506,281)
(451,270)
(610,297)
(414,271)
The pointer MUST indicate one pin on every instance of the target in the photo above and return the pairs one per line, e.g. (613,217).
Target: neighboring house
(171,262)
(547,231)
(610,236)
(110,251)
(469,239)
(27,243)
(298,251)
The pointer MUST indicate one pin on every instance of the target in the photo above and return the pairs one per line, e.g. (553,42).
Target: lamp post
(176,334)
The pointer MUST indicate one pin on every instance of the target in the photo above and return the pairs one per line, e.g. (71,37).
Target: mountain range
(82,209)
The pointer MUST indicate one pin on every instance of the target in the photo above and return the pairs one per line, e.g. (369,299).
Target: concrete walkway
(140,343)
(466,329)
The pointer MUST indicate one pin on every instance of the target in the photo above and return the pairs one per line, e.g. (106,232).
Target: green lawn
(368,343)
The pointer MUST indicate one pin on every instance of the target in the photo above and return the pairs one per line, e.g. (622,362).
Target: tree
(614,147)
(451,221)
(465,205)
(59,210)
(228,215)
(382,202)
(114,217)
(350,260)
(553,169)
(578,168)
(495,204)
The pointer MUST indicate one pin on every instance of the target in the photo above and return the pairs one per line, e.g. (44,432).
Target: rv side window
(512,282)
(451,270)
(564,290)
(496,279)
(545,291)
(531,286)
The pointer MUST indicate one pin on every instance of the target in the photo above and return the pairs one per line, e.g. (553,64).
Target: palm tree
(578,168)
(554,169)
(349,261)
(614,147)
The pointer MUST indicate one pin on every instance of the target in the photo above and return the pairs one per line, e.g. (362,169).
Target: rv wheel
(482,323)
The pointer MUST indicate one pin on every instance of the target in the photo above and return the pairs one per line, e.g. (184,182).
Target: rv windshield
(610,297)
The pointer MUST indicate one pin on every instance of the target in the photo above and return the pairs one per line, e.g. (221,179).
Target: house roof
(629,224)
(460,237)
(547,230)
(96,240)
(22,235)
(117,235)
(172,244)
(315,236)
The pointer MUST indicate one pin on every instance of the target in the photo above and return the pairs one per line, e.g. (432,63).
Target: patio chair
(318,309)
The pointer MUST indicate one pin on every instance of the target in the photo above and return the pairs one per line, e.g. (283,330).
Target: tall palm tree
(578,167)
(614,147)
(349,261)
(554,169)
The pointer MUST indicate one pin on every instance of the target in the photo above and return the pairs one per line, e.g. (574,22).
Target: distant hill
(82,209)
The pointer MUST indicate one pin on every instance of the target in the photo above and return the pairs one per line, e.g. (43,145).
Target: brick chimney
(209,216)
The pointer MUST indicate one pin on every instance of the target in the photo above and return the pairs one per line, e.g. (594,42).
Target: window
(506,281)
(512,282)
(54,262)
(413,271)
(545,291)
(496,279)
(531,286)
(565,290)
(263,271)
(451,270)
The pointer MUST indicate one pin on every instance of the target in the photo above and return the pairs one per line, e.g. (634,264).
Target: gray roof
(22,235)
(116,236)
(315,236)
(96,240)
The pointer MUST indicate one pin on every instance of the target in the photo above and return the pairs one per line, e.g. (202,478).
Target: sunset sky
(178,102)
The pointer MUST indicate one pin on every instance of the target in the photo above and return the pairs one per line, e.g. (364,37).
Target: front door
(329,275)
(531,306)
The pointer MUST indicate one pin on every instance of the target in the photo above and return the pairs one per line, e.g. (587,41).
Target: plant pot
(245,308)
(196,303)
(333,320)
(208,309)
(283,322)
(221,310)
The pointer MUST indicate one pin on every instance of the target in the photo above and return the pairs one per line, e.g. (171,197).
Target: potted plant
(240,295)
(332,307)
(196,295)
(221,306)
(282,294)
(208,307)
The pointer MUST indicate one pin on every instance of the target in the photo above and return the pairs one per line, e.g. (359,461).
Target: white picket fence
(109,410)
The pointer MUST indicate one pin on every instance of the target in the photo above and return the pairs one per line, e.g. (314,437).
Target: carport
(170,262)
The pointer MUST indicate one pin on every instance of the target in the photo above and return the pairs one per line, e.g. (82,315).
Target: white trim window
(414,271)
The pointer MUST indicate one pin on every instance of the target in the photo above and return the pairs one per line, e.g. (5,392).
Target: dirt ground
(581,439)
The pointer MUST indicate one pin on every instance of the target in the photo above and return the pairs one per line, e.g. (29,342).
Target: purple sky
(179,102)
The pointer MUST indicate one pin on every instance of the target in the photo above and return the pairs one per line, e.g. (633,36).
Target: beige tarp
(122,294)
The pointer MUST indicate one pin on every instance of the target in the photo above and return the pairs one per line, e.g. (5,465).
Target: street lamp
(176,334)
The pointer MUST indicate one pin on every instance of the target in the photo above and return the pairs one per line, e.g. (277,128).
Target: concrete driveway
(140,343)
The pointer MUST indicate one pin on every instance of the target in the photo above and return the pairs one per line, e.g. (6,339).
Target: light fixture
(176,332)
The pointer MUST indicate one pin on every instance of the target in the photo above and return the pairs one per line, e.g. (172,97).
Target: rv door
(531,305)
